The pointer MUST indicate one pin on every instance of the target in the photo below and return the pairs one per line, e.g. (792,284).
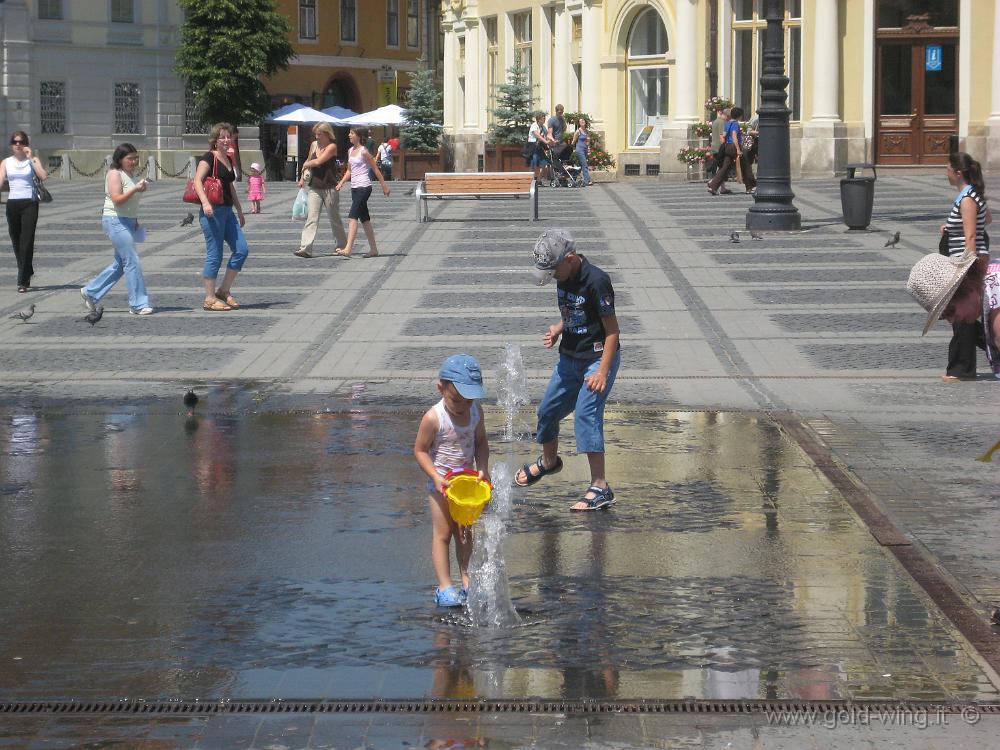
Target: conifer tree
(227,48)
(423,114)
(513,114)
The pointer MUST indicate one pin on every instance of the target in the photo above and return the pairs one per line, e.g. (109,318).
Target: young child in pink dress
(255,188)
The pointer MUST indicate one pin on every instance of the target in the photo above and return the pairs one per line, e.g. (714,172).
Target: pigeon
(189,219)
(892,240)
(190,399)
(755,236)
(24,315)
(93,317)
(734,236)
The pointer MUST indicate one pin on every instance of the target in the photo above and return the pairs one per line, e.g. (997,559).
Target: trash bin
(857,196)
(289,174)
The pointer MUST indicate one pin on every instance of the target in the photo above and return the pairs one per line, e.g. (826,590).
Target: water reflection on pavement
(260,553)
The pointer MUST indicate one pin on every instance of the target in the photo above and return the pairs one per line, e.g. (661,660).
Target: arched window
(647,76)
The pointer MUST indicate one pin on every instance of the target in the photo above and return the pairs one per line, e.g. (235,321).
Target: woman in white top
(121,223)
(18,169)
(359,161)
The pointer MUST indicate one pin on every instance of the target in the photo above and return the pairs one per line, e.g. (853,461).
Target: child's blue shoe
(448,597)
(463,594)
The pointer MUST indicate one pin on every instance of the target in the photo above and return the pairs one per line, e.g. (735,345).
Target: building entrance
(916,83)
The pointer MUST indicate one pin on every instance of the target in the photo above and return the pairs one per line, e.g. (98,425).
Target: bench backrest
(478,182)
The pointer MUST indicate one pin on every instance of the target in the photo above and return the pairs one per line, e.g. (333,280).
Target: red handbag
(212,185)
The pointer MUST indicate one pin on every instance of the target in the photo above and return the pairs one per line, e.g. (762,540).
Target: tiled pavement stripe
(715,336)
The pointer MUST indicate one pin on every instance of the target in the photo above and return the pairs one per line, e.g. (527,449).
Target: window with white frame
(413,23)
(123,11)
(648,76)
(128,108)
(194,118)
(307,19)
(52,106)
(348,20)
(392,23)
(521,23)
(749,31)
(51,10)
(492,66)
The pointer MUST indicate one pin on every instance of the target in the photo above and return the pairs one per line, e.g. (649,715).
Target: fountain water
(489,602)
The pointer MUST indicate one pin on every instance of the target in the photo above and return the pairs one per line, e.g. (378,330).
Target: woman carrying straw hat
(960,288)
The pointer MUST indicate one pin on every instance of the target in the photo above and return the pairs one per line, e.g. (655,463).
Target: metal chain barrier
(80,172)
(184,169)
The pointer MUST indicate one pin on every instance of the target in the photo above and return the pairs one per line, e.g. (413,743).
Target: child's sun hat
(463,371)
(933,281)
(256,166)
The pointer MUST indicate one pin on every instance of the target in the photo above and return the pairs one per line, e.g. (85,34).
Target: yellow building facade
(354,53)
(896,82)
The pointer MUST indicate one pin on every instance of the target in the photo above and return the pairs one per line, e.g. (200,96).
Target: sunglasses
(18,143)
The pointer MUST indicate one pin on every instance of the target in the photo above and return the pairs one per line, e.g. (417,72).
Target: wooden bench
(477,186)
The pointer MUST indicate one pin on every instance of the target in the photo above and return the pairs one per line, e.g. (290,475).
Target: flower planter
(413,165)
(696,172)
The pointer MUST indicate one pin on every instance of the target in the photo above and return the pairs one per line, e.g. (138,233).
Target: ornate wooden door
(916,93)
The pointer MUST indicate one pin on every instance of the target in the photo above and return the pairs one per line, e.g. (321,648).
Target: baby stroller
(564,173)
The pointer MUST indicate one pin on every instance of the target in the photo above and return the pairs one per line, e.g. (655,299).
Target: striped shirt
(955,228)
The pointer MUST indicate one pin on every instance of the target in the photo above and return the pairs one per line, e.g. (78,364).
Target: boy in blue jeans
(589,357)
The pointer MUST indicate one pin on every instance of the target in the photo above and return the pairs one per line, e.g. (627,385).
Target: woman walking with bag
(965,231)
(213,183)
(120,219)
(20,170)
(322,162)
(359,162)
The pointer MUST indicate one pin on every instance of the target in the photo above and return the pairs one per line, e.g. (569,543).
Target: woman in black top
(219,223)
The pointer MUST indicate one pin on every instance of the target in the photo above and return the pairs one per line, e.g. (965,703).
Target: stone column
(686,69)
(450,75)
(823,147)
(992,158)
(591,61)
(560,91)
(473,65)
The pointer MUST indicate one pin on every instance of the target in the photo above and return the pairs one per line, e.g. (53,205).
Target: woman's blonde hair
(324,127)
(213,137)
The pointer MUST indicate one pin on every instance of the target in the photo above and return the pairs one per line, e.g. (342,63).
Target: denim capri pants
(359,204)
(567,393)
(222,227)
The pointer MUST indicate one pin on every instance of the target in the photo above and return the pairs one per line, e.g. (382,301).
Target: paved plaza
(802,516)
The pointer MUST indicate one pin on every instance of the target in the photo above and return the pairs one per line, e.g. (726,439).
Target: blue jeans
(126,263)
(567,393)
(581,156)
(224,226)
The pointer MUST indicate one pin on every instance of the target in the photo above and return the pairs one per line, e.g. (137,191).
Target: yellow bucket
(467,496)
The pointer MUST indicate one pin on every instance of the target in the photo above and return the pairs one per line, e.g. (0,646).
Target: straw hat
(933,281)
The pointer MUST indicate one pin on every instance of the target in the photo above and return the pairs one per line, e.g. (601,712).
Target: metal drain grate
(202,708)
(631,170)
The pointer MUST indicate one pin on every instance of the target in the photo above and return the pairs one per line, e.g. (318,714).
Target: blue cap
(463,370)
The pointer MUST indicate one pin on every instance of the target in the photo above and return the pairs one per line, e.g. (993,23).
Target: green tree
(423,114)
(513,114)
(227,48)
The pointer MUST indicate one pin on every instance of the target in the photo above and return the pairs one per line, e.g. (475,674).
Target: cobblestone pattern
(543,298)
(499,326)
(771,276)
(156,360)
(875,356)
(818,258)
(827,296)
(130,326)
(850,322)
(634,357)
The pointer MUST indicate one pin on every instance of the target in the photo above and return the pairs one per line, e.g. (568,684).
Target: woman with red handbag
(213,184)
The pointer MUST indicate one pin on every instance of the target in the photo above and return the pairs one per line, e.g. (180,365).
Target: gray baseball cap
(550,250)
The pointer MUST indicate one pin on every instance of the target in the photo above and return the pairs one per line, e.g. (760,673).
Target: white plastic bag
(299,209)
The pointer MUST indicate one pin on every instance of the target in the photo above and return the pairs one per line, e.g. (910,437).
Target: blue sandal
(542,471)
(449,597)
(603,497)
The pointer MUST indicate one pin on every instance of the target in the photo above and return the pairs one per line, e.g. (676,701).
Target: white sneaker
(141,310)
(87,300)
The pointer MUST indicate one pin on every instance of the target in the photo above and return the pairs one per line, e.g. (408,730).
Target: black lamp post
(772,208)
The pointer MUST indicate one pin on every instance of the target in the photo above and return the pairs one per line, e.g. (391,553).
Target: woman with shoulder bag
(322,164)
(20,170)
(965,231)
(218,221)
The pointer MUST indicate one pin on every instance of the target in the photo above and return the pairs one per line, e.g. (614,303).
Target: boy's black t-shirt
(583,299)
(226,175)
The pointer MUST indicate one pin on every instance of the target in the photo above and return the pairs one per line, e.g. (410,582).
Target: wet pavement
(255,554)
